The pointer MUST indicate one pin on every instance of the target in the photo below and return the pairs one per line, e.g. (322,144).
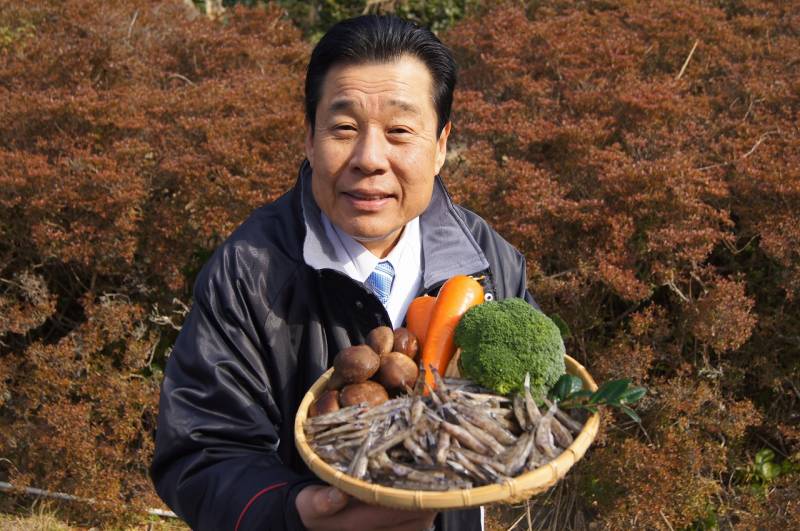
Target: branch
(758,143)
(688,58)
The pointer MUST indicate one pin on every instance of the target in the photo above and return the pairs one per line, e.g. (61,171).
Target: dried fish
(440,385)
(530,406)
(336,417)
(417,450)
(570,423)
(520,456)
(496,400)
(484,437)
(343,429)
(417,407)
(489,425)
(479,459)
(544,438)
(535,458)
(508,423)
(328,453)
(442,447)
(388,442)
(358,467)
(455,436)
(519,412)
(469,466)
(561,434)
(464,437)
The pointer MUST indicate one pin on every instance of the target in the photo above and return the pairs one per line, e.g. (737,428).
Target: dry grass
(44,516)
(40,516)
(558,509)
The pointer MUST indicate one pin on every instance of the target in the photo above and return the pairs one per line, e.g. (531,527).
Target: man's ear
(441,146)
(309,143)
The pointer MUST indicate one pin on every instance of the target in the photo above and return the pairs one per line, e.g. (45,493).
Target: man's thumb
(328,501)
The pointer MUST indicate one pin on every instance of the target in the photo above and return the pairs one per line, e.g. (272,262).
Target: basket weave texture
(519,488)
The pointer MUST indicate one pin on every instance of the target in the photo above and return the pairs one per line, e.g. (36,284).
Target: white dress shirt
(406,258)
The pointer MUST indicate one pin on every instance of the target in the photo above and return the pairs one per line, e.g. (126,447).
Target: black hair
(381,38)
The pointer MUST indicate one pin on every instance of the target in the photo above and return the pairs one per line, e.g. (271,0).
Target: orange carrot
(457,295)
(419,315)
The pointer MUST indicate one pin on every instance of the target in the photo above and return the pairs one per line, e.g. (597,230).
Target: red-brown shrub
(658,207)
(134,135)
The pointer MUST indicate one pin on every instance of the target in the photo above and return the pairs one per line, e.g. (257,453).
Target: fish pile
(459,436)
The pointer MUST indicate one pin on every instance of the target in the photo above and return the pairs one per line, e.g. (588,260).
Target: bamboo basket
(519,488)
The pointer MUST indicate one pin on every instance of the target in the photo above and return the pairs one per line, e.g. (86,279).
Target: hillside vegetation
(644,156)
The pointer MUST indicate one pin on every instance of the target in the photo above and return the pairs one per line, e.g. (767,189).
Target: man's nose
(370,153)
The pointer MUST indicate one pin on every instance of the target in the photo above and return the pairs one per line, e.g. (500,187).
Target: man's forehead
(404,84)
(342,103)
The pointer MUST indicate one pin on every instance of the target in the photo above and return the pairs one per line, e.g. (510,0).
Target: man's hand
(327,508)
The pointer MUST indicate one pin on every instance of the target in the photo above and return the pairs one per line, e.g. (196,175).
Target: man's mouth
(368,199)
(368,196)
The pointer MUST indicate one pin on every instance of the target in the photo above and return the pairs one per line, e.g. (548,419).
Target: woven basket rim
(518,488)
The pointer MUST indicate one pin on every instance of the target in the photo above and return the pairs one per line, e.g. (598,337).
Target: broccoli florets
(501,341)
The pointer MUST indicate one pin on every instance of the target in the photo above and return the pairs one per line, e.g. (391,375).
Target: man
(296,283)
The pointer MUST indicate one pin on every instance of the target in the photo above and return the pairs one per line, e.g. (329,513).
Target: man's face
(374,151)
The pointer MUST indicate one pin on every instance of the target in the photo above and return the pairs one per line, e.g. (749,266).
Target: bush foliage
(644,157)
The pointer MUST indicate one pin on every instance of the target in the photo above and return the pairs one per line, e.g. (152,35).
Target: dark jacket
(264,326)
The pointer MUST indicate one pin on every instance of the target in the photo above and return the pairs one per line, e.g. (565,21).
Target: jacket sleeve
(216,463)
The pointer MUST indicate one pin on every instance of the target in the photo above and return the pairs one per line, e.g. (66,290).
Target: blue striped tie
(381,281)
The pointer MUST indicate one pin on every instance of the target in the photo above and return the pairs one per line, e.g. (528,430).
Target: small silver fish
(516,464)
(483,436)
(571,424)
(530,406)
(488,424)
(519,412)
(442,447)
(464,437)
(561,434)
(417,450)
(544,438)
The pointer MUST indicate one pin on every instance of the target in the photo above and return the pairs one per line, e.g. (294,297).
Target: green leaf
(610,392)
(769,470)
(765,455)
(583,393)
(632,395)
(565,386)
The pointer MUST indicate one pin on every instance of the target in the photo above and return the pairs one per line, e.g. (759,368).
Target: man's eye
(399,130)
(344,127)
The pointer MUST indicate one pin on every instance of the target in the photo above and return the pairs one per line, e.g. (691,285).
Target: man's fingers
(328,501)
(370,517)
(324,507)
(317,503)
(422,522)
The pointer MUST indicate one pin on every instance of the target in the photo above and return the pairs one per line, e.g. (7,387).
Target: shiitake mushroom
(356,364)
(371,393)
(335,381)
(406,342)
(328,402)
(381,339)
(397,372)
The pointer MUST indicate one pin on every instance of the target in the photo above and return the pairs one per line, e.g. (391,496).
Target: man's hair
(381,39)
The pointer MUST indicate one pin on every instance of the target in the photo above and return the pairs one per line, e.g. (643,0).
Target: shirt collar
(351,251)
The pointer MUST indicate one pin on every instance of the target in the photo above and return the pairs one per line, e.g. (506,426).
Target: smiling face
(374,151)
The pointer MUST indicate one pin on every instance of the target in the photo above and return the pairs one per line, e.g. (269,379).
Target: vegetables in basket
(502,341)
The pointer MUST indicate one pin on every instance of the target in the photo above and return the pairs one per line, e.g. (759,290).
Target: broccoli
(501,341)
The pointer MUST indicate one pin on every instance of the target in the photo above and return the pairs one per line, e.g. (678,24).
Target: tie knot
(380,281)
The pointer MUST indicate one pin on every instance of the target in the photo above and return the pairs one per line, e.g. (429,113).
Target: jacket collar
(448,247)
